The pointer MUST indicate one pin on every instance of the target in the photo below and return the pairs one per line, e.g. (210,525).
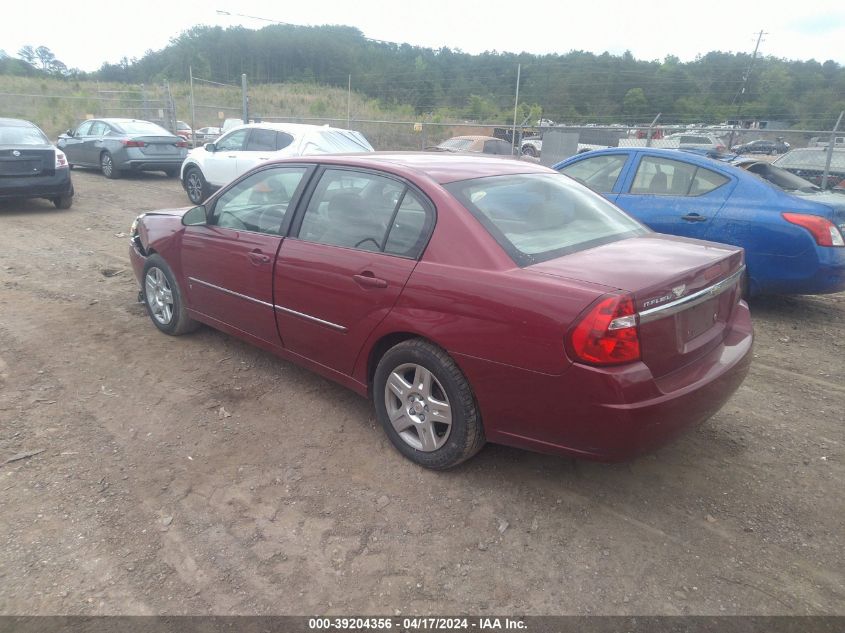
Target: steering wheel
(270,217)
(368,239)
(238,223)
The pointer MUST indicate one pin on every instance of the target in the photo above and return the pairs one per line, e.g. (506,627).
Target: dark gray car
(120,145)
(31,166)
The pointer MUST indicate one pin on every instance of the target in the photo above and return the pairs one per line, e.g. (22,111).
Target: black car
(762,146)
(31,166)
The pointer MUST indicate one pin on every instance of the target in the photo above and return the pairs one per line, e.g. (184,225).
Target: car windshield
(781,178)
(336,142)
(143,127)
(456,144)
(537,217)
(22,135)
(805,159)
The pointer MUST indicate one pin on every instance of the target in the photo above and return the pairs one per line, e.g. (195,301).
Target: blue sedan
(793,237)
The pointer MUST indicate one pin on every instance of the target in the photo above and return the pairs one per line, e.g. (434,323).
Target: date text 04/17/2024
(418,624)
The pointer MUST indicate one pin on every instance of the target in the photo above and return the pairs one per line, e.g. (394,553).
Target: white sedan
(215,164)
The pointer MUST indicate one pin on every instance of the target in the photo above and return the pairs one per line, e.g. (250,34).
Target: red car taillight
(823,230)
(61,160)
(607,334)
(182,144)
(129,143)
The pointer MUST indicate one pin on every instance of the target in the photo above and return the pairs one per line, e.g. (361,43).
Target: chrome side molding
(302,315)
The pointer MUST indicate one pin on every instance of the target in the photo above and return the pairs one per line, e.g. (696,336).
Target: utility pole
(193,109)
(245,99)
(741,93)
(830,145)
(515,106)
(651,130)
(348,101)
(169,109)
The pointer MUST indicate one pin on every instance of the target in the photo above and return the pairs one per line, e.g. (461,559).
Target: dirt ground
(199,475)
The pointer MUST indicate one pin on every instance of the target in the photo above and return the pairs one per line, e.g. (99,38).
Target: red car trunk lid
(684,291)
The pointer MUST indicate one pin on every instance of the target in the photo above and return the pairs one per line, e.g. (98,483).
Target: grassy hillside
(56,105)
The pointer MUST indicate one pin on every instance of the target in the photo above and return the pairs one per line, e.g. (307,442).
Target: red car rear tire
(426,406)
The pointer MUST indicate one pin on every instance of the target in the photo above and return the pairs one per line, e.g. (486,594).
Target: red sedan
(472,298)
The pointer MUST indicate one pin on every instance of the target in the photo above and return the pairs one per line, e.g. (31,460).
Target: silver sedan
(116,146)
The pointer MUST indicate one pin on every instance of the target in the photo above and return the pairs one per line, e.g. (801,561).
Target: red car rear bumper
(608,414)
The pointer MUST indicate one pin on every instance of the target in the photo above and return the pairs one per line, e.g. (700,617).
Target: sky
(84,34)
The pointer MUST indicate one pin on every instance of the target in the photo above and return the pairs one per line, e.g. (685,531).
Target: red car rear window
(537,217)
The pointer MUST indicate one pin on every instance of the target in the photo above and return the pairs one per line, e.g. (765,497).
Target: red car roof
(442,168)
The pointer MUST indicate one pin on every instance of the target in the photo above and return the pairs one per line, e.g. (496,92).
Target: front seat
(659,183)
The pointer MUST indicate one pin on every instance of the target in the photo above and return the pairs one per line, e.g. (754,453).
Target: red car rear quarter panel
(503,317)
(612,413)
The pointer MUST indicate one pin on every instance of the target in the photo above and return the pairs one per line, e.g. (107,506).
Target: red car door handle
(368,280)
(258,257)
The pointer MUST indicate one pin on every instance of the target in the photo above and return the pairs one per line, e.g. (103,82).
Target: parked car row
(119,146)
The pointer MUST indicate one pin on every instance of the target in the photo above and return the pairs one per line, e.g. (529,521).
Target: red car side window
(259,202)
(369,212)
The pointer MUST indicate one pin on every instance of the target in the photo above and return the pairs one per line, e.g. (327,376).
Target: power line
(738,97)
(255,17)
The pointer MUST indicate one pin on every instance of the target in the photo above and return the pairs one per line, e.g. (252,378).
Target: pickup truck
(820,141)
(533,146)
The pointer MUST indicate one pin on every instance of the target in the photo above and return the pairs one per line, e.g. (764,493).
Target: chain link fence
(809,160)
(208,103)
(55,112)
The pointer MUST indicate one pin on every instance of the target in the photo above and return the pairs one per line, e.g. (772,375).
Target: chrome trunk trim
(694,299)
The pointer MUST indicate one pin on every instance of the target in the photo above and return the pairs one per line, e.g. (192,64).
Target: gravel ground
(200,475)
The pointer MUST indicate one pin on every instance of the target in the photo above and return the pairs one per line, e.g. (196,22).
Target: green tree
(27,53)
(575,87)
(635,105)
(45,57)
